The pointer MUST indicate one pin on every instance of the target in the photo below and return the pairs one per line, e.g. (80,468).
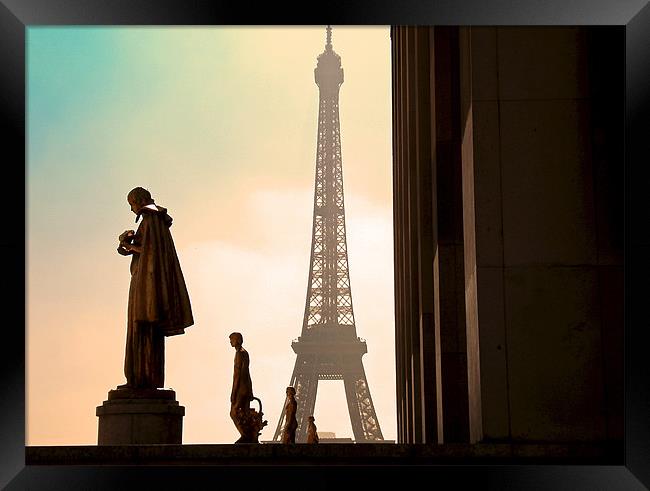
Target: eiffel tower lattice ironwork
(328,348)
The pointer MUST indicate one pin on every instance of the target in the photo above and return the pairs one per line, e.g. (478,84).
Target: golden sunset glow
(220,124)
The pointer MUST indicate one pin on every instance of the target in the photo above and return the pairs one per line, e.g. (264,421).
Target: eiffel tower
(328,347)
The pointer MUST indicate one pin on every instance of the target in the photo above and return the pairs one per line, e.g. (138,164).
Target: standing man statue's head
(236,339)
(140,195)
(138,198)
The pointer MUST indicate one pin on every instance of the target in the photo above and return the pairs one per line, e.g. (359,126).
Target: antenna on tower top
(328,44)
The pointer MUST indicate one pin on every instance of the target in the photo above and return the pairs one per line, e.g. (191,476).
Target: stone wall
(521,132)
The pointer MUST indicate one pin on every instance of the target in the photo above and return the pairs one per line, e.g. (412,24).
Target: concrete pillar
(417,332)
(449,263)
(537,246)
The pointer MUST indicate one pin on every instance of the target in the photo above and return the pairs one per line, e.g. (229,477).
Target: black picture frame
(17,15)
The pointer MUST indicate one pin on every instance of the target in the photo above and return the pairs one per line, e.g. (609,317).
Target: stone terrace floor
(335,454)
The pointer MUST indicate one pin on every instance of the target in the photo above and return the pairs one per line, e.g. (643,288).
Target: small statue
(247,421)
(291,423)
(312,436)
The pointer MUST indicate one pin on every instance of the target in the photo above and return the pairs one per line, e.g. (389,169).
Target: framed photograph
(229,115)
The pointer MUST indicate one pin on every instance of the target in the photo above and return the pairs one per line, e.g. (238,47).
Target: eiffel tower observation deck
(328,347)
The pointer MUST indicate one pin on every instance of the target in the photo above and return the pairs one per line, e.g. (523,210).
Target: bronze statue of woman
(312,434)
(291,425)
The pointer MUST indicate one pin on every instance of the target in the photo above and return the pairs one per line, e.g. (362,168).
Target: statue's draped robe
(159,304)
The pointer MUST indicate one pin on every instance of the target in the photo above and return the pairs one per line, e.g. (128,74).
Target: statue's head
(236,339)
(291,391)
(311,419)
(137,198)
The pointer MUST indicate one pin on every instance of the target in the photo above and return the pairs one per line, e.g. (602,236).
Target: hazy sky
(220,124)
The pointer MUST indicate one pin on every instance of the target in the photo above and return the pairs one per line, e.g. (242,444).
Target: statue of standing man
(159,304)
(242,387)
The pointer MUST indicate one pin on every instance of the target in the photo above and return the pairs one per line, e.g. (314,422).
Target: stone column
(417,261)
(448,265)
(543,248)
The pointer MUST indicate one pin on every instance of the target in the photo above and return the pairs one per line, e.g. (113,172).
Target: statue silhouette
(159,304)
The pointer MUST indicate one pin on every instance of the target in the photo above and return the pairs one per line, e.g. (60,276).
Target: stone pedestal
(140,416)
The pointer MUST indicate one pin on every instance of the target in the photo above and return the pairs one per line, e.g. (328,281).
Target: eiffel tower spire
(328,347)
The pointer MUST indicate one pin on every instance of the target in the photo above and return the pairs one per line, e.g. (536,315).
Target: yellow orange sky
(219,123)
